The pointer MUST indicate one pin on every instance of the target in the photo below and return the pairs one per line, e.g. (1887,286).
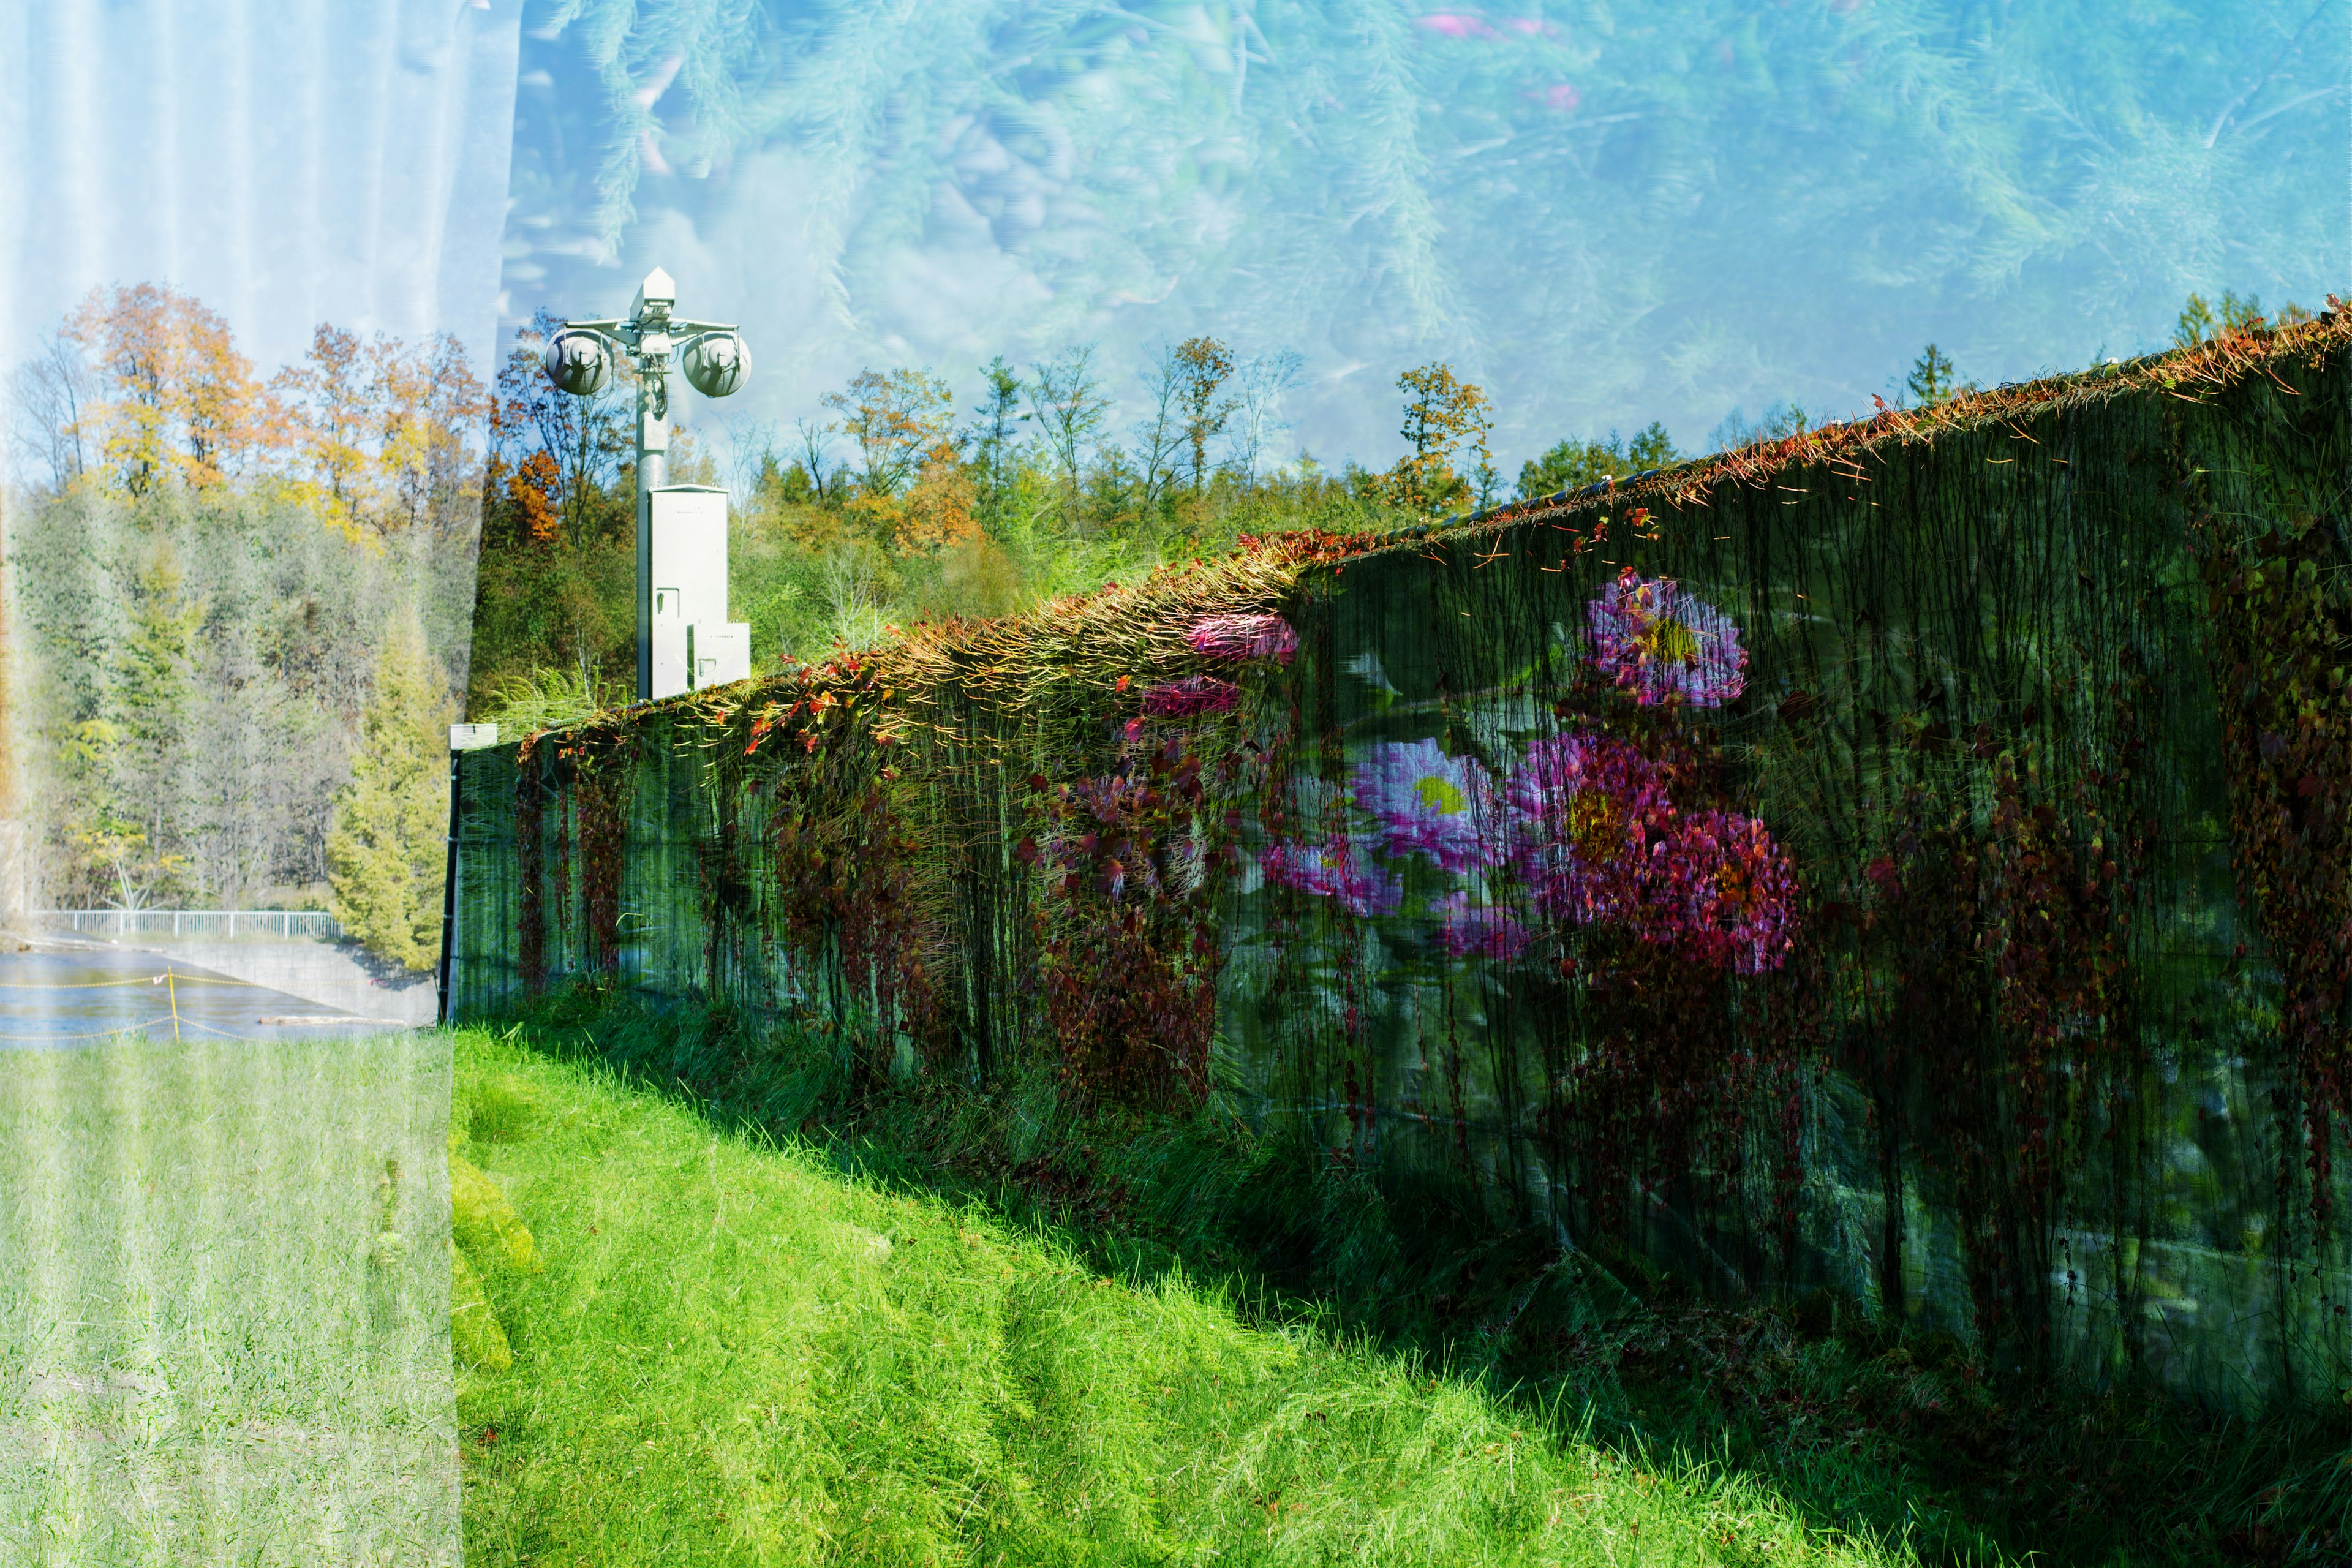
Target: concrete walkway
(68,992)
(341,976)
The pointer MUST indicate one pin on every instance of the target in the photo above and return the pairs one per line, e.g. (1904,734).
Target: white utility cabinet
(694,643)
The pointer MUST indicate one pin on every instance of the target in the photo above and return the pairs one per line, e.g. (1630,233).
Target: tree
(815,443)
(1160,442)
(1932,379)
(383,433)
(1205,365)
(587,441)
(174,398)
(425,402)
(1260,384)
(328,396)
(154,689)
(1444,419)
(1070,408)
(896,419)
(384,854)
(52,390)
(995,443)
(1573,464)
(2202,323)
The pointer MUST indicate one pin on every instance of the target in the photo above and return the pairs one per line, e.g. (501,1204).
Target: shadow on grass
(1900,1436)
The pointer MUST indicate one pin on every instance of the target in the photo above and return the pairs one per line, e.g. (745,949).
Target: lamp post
(716,360)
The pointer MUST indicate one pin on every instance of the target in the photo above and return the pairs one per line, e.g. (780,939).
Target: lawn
(729,1351)
(224,1304)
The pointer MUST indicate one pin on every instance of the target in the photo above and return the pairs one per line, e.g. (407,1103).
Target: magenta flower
(1333,872)
(1428,802)
(1662,645)
(1193,694)
(1465,929)
(1588,813)
(1243,636)
(1733,899)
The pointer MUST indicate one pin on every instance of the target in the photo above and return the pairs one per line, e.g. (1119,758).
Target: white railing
(197,922)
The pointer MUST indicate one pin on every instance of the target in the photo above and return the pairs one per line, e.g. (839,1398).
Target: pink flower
(1599,841)
(1662,645)
(1588,814)
(1193,694)
(1428,802)
(1243,636)
(1483,931)
(1333,872)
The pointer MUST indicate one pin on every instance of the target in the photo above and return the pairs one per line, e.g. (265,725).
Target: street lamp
(579,360)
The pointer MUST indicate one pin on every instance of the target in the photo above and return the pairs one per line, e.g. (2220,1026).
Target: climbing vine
(1726,866)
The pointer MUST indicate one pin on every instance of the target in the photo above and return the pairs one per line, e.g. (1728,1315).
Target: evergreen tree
(137,828)
(386,853)
(995,443)
(1932,378)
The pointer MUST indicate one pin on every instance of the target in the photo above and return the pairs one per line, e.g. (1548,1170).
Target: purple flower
(1664,646)
(1333,872)
(1193,694)
(1588,814)
(1428,802)
(1465,930)
(1243,636)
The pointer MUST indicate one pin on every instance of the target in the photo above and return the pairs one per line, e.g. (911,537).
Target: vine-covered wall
(1908,857)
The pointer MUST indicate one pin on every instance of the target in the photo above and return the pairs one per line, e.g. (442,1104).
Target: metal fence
(197,922)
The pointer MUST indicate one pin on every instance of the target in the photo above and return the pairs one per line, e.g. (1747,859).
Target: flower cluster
(1334,872)
(1600,840)
(1589,817)
(1735,893)
(1428,803)
(1193,694)
(1243,636)
(1662,645)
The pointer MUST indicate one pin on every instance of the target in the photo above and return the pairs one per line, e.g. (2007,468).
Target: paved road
(58,993)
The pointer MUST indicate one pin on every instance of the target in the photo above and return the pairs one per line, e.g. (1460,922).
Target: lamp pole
(716,360)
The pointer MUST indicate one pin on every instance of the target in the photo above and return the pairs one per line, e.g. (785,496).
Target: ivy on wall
(1791,868)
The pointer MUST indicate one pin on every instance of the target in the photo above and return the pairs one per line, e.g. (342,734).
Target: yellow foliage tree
(175,398)
(1446,421)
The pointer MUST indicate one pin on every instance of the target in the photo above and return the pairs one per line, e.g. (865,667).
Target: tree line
(244,605)
(895,506)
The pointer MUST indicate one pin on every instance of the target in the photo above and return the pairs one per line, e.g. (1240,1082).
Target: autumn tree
(575,494)
(172,397)
(1446,420)
(384,852)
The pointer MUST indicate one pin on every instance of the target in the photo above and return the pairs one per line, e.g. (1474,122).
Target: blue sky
(1605,212)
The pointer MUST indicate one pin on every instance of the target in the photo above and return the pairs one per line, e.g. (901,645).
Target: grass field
(733,1353)
(224,1305)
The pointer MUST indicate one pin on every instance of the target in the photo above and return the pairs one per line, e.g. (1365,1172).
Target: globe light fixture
(579,360)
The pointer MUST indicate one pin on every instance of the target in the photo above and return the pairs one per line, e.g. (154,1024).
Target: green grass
(224,1305)
(1885,1434)
(737,1354)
